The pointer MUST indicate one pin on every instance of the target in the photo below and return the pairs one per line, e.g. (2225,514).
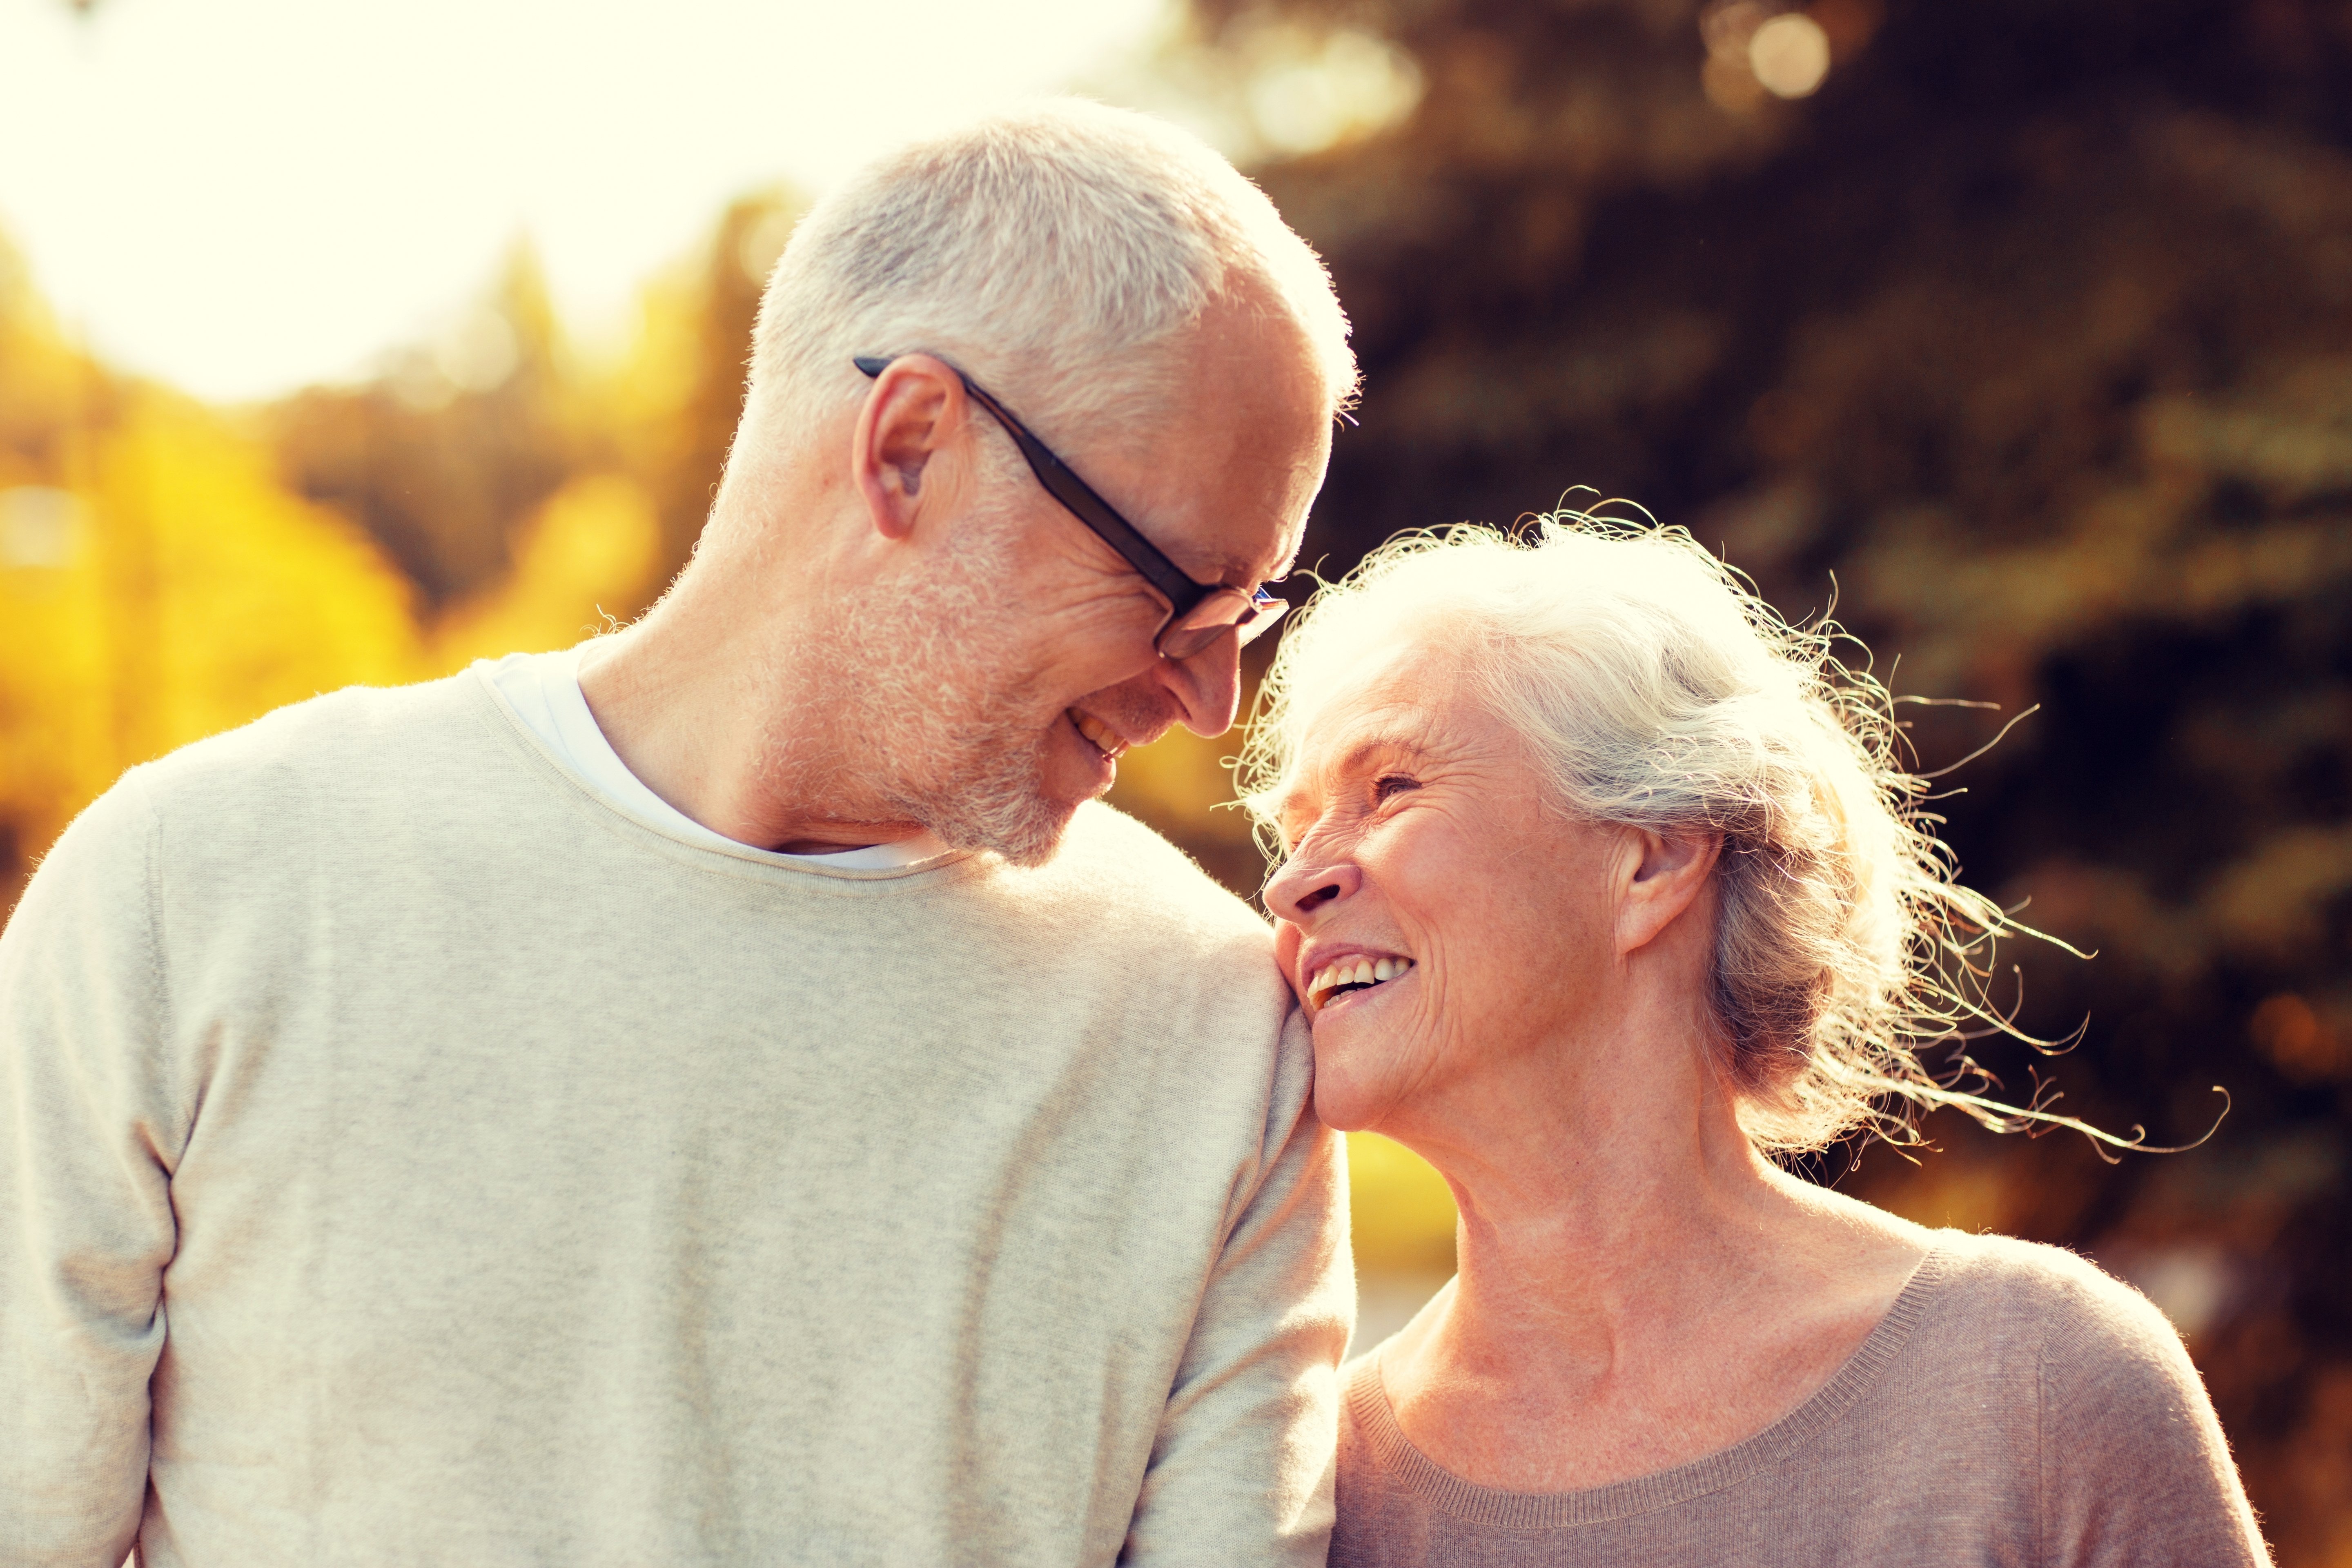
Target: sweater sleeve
(86,1223)
(2135,1468)
(1241,1470)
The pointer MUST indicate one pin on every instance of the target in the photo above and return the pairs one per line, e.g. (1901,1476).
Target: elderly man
(722,1095)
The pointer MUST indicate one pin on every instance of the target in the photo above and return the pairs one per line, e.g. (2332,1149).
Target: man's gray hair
(1048,251)
(1655,691)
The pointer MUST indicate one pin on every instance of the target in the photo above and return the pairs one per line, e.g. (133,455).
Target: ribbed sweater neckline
(1375,1417)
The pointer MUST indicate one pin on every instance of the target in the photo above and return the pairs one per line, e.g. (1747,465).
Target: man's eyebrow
(1239,573)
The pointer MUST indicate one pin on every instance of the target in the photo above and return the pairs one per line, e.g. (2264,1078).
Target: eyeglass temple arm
(1181,592)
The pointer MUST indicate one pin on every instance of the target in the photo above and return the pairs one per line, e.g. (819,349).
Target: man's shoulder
(242,797)
(354,738)
(1107,853)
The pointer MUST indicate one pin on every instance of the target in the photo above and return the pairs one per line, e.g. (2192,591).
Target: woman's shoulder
(2128,1451)
(2067,1299)
(2098,1350)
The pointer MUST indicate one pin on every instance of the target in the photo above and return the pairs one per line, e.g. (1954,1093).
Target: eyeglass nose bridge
(1248,614)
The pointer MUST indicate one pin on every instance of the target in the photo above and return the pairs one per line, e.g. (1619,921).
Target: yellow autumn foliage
(187,592)
(194,593)
(163,578)
(1402,1210)
(591,547)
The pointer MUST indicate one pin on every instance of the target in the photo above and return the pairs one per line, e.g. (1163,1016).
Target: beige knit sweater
(2016,1406)
(406,1157)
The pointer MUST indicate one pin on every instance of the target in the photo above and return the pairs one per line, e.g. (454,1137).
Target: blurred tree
(463,437)
(673,405)
(595,544)
(2033,324)
(159,580)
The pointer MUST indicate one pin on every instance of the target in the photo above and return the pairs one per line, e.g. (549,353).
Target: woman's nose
(1305,885)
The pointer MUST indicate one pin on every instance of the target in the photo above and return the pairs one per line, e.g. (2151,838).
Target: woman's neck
(1636,1286)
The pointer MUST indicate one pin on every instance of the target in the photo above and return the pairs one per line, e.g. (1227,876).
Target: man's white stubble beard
(944,741)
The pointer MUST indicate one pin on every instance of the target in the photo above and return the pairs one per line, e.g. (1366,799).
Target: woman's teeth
(1103,737)
(1351,973)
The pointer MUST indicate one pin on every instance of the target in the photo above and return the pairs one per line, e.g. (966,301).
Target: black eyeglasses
(1198,613)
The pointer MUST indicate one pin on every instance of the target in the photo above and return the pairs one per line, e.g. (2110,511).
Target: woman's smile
(1345,976)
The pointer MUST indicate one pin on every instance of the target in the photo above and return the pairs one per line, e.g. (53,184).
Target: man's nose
(1307,883)
(1207,686)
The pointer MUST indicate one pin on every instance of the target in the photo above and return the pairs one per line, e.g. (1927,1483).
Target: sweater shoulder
(1114,856)
(2091,1329)
(321,735)
(2133,1466)
(351,738)
(390,769)
(2060,1288)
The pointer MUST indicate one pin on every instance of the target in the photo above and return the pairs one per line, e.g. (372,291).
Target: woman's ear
(917,407)
(1667,876)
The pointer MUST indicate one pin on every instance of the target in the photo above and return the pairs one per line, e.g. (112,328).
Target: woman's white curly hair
(1656,691)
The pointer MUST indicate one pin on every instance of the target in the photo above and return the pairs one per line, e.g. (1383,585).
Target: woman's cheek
(1288,939)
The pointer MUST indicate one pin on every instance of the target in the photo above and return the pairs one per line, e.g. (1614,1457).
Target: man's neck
(685,699)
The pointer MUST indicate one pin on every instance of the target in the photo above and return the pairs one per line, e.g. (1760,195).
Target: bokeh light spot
(1314,93)
(1790,55)
(477,352)
(36,526)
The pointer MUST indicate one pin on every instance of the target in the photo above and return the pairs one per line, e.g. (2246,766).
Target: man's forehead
(1239,450)
(1278,561)
(1232,554)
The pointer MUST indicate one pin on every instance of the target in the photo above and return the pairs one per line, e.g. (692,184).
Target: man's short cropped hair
(1050,251)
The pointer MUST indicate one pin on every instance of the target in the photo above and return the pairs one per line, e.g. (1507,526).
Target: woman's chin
(1348,1099)
(1337,1112)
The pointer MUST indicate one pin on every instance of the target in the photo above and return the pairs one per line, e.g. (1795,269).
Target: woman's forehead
(1398,695)
(1399,707)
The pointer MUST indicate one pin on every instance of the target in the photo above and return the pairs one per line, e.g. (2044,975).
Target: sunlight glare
(245,196)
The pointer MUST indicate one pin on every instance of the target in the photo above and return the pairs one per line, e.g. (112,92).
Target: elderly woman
(1601,889)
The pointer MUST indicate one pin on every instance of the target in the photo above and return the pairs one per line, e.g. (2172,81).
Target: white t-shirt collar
(545,690)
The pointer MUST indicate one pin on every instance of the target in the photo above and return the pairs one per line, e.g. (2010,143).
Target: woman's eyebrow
(1404,747)
(1407,748)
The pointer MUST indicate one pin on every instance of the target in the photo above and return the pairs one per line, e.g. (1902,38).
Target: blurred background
(344,348)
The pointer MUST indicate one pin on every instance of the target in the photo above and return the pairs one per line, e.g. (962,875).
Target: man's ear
(915,408)
(1667,875)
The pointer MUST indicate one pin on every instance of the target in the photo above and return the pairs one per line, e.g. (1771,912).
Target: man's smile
(1100,736)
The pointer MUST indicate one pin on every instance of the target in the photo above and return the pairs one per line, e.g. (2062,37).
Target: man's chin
(1029,840)
(1023,823)
(1012,795)
(1036,848)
